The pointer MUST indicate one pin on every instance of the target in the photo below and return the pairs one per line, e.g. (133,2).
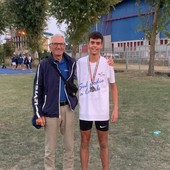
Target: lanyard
(93,76)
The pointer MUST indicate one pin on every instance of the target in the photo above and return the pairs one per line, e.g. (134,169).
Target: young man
(53,105)
(94,76)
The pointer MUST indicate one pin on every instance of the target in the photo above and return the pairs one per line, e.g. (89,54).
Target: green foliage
(43,55)
(29,16)
(79,15)
(1,54)
(4,19)
(159,23)
(163,17)
(8,48)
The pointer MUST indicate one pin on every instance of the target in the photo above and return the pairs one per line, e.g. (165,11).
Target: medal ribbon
(92,78)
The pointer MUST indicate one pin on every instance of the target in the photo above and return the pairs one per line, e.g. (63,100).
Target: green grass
(144,107)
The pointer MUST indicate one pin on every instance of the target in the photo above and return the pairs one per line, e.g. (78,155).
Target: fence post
(139,57)
(168,56)
(126,56)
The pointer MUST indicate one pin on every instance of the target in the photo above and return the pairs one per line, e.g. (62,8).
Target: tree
(6,50)
(30,17)
(79,15)
(161,19)
(4,17)
(9,48)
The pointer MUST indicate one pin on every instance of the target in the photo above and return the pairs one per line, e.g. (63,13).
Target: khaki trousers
(65,126)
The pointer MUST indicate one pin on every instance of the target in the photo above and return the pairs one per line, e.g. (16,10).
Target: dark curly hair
(95,35)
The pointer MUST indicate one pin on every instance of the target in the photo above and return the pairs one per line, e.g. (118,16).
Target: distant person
(30,62)
(3,66)
(16,62)
(20,61)
(26,62)
(94,77)
(13,61)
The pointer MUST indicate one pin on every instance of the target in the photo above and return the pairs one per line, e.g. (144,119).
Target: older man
(53,105)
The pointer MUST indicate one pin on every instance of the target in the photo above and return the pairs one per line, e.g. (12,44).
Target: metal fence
(128,58)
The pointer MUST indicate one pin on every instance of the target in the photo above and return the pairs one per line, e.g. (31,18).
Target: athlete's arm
(114,93)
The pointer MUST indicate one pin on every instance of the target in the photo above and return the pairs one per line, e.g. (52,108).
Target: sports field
(140,140)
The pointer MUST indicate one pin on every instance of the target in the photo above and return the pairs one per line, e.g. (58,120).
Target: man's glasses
(57,44)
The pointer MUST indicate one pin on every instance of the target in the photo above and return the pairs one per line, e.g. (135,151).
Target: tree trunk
(152,54)
(153,40)
(74,50)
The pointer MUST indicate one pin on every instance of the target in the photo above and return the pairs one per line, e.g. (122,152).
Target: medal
(92,89)
(92,76)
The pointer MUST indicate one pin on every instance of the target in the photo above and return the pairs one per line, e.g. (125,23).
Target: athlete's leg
(102,132)
(85,130)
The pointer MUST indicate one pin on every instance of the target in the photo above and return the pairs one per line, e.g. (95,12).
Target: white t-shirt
(94,106)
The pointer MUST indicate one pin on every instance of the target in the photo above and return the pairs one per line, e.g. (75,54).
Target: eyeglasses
(57,44)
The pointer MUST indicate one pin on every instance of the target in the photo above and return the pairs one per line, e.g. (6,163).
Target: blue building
(121,28)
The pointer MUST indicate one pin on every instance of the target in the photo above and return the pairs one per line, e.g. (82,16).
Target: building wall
(19,38)
(120,29)
(123,22)
(45,43)
(107,43)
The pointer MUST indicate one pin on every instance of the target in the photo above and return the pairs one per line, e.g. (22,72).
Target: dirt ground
(124,67)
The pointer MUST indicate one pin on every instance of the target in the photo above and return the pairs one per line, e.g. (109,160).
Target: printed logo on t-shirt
(84,87)
(101,74)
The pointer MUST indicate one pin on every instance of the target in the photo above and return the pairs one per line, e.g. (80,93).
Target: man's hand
(114,116)
(40,121)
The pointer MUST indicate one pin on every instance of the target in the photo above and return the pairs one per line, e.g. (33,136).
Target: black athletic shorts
(100,125)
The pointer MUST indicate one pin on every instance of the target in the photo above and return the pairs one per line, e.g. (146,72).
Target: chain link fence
(137,58)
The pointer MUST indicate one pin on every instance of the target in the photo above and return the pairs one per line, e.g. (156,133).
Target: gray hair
(56,35)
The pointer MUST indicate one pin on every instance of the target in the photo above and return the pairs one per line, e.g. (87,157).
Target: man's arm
(114,93)
(37,97)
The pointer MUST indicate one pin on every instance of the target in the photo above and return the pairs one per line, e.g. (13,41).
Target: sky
(55,29)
